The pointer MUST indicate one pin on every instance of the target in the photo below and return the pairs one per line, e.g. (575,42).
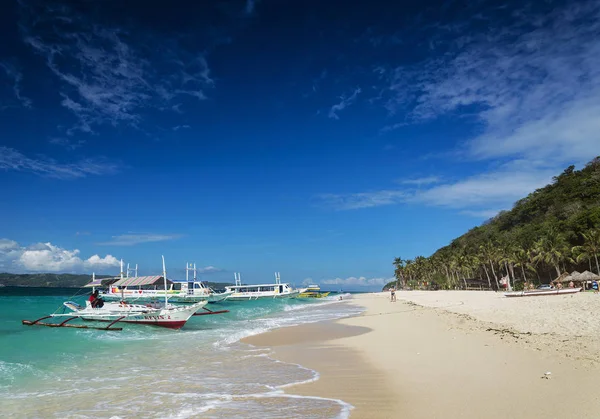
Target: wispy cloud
(498,188)
(11,78)
(11,159)
(67,143)
(46,257)
(250,5)
(362,199)
(131,239)
(109,75)
(345,101)
(532,85)
(178,127)
(210,270)
(427,180)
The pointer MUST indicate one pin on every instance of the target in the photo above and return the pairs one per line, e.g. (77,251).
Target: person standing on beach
(392,294)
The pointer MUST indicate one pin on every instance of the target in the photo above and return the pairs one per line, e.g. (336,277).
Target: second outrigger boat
(312,291)
(146,289)
(241,292)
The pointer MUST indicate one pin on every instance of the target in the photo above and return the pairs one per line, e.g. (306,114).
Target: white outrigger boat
(163,315)
(141,289)
(540,292)
(241,292)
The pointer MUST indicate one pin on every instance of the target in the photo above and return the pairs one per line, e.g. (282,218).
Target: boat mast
(121,275)
(165,279)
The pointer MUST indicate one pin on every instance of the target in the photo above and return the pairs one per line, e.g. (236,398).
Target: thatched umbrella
(587,276)
(562,277)
(575,275)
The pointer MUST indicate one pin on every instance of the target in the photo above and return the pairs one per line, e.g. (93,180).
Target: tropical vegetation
(552,230)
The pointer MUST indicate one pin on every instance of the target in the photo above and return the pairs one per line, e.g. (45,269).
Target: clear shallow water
(200,371)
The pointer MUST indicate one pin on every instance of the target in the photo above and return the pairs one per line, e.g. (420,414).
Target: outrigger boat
(141,289)
(241,292)
(312,291)
(166,315)
(539,292)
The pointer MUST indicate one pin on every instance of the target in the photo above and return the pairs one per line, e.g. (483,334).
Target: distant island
(553,230)
(48,280)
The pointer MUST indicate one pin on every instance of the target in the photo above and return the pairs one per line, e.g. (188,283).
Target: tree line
(554,229)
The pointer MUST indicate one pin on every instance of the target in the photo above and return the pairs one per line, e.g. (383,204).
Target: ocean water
(202,370)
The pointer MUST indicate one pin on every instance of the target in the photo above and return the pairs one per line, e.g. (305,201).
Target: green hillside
(552,230)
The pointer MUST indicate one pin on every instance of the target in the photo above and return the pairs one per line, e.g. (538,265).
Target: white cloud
(345,101)
(11,159)
(12,78)
(66,143)
(357,281)
(427,180)
(533,85)
(361,199)
(531,88)
(131,239)
(250,5)
(178,127)
(209,270)
(46,257)
(109,75)
(499,188)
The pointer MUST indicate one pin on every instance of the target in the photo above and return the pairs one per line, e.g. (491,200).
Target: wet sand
(403,360)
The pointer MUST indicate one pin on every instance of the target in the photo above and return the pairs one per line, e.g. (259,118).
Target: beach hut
(564,277)
(586,278)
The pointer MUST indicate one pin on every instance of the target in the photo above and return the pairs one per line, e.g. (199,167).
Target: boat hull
(247,297)
(172,318)
(538,293)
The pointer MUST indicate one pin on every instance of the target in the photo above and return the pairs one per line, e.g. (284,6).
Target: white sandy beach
(453,354)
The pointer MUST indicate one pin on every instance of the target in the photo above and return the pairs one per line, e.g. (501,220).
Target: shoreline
(429,356)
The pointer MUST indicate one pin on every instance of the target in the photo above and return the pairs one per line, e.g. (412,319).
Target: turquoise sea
(200,371)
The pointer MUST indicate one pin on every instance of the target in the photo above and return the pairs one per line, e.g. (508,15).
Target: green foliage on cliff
(554,229)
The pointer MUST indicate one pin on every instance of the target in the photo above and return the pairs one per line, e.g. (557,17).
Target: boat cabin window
(197,286)
(177,287)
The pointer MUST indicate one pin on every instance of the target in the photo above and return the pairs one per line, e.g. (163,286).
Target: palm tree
(488,254)
(590,248)
(552,249)
(521,259)
(399,272)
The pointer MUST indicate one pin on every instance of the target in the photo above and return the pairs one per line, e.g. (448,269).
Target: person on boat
(571,284)
(95,300)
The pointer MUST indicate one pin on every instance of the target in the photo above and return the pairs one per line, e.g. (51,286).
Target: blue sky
(317,139)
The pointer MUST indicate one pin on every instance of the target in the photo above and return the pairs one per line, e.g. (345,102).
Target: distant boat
(312,291)
(540,292)
(241,292)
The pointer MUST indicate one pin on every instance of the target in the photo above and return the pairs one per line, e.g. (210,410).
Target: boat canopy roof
(257,285)
(101,282)
(140,280)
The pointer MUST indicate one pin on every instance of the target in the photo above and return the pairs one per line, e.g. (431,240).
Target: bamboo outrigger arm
(209,311)
(39,322)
